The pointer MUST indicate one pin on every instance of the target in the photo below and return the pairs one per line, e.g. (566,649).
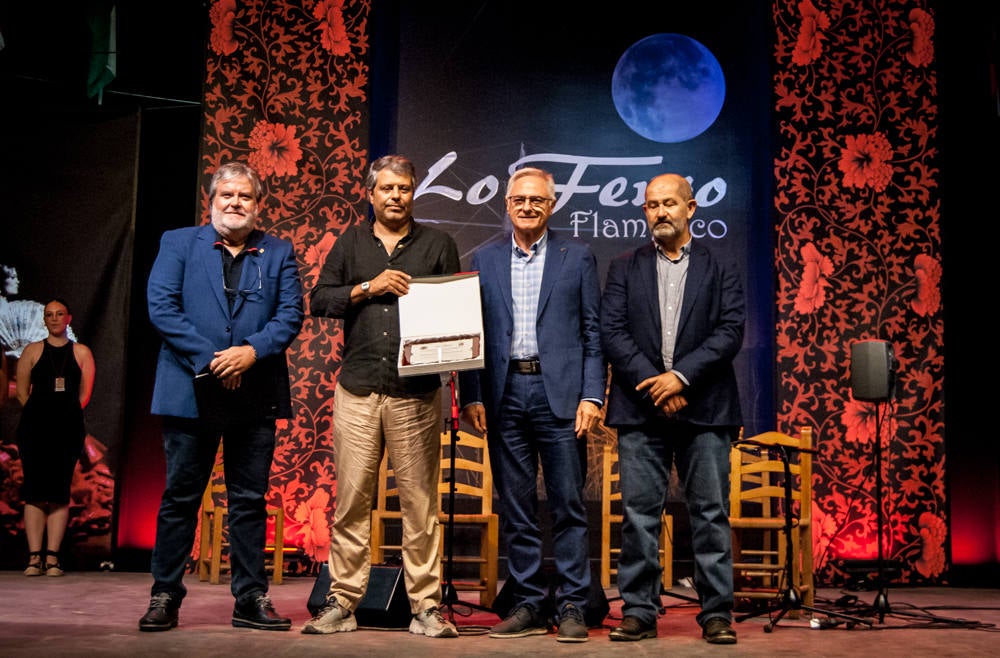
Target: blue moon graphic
(668,88)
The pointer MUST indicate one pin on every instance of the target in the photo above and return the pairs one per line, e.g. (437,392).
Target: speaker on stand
(873,371)
(873,379)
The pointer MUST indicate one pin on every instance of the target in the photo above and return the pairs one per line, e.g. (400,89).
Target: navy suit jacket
(567,326)
(188,307)
(709,335)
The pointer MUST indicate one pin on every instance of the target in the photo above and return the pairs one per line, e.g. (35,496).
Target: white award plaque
(441,325)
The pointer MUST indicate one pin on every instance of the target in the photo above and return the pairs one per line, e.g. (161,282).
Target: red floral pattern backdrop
(858,256)
(286,91)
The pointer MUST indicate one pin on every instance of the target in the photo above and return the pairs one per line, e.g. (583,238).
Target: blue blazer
(188,307)
(709,336)
(567,326)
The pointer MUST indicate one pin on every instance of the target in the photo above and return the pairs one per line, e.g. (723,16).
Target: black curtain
(68,226)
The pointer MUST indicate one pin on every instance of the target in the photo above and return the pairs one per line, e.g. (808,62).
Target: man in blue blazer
(227,301)
(539,394)
(672,319)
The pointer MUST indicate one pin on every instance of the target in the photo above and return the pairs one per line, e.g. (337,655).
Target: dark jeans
(190,449)
(644,456)
(523,431)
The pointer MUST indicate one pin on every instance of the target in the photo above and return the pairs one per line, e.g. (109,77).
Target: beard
(232,225)
(665,231)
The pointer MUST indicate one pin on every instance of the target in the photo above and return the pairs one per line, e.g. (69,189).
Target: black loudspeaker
(384,605)
(598,605)
(873,370)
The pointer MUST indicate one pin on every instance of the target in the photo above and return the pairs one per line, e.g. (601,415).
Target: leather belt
(526,366)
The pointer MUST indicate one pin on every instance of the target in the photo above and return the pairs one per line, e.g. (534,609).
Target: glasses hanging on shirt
(245,291)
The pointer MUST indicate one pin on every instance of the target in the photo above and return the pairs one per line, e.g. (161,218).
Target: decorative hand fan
(22,322)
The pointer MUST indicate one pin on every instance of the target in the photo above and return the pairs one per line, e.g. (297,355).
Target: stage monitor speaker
(873,370)
(384,605)
(598,605)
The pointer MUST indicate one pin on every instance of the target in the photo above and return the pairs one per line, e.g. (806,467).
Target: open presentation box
(441,325)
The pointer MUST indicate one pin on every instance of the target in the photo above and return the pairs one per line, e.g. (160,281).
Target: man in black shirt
(376,410)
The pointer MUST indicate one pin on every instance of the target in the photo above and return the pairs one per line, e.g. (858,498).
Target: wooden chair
(611,519)
(213,552)
(474,488)
(757,516)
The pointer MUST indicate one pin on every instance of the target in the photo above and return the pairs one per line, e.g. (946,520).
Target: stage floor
(96,614)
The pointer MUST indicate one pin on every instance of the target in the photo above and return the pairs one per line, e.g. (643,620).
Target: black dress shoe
(162,613)
(719,631)
(256,611)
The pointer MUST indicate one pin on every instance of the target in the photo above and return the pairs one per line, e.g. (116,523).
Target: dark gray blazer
(709,336)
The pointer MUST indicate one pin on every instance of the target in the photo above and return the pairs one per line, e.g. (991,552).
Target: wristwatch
(366,287)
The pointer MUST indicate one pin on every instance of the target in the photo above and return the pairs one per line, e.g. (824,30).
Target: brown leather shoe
(632,630)
(520,623)
(719,631)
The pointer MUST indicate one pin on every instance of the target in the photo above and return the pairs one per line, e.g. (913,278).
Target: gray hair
(230,170)
(397,164)
(550,182)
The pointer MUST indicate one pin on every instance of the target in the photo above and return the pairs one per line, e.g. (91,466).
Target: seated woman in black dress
(55,378)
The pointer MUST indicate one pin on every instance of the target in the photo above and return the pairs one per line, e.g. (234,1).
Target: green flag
(101,25)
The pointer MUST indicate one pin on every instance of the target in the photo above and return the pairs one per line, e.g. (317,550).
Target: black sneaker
(162,613)
(256,611)
(521,623)
(572,627)
(719,631)
(632,629)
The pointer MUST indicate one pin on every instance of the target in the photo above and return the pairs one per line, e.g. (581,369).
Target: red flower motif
(812,289)
(316,254)
(332,31)
(312,514)
(922,28)
(859,420)
(927,272)
(809,43)
(865,161)
(275,149)
(223,16)
(932,536)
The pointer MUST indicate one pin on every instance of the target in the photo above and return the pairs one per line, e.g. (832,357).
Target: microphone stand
(881,603)
(449,595)
(791,598)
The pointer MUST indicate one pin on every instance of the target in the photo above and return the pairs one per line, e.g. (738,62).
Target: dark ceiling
(47,49)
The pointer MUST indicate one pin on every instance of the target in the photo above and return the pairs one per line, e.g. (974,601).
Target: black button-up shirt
(371,327)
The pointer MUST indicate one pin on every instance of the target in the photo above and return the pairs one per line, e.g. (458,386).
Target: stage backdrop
(850,193)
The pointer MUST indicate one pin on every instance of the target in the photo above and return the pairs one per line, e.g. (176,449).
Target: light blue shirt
(525,284)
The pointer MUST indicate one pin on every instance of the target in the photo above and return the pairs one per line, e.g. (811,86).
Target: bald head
(669,206)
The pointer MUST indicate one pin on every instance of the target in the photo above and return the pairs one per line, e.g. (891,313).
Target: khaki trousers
(409,429)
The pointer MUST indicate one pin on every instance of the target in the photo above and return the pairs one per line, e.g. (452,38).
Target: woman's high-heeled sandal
(53,568)
(35,566)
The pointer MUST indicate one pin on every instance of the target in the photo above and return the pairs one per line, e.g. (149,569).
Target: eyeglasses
(533,201)
(248,291)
